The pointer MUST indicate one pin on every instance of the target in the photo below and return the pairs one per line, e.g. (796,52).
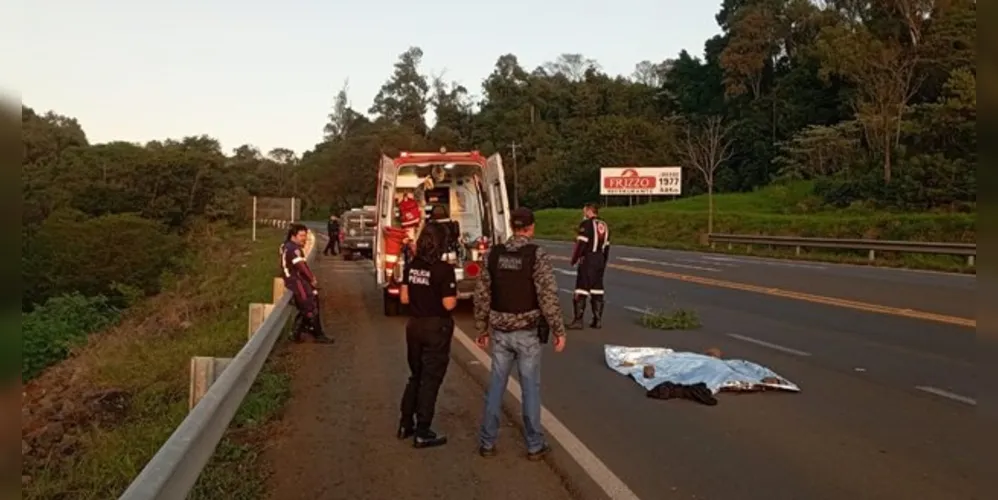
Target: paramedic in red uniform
(298,278)
(592,251)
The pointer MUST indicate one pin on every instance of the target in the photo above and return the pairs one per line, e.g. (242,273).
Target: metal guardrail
(173,471)
(872,246)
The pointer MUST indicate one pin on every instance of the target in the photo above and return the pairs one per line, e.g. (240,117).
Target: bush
(54,328)
(94,256)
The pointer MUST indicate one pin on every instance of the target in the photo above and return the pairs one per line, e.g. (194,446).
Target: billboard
(645,181)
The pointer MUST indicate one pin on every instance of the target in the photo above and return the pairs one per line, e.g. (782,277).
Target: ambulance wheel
(392,304)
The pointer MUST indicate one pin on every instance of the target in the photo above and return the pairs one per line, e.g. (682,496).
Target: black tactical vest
(512,274)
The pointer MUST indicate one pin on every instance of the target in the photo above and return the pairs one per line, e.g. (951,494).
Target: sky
(265,72)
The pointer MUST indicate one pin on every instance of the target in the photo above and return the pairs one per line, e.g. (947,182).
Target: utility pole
(516,181)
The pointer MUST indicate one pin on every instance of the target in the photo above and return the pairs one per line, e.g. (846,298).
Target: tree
(403,99)
(705,147)
(571,66)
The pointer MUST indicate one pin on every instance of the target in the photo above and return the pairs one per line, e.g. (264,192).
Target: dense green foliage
(51,330)
(873,101)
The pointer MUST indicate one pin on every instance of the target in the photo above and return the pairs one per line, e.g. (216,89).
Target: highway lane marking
(566,272)
(672,264)
(765,262)
(946,394)
(612,485)
(806,297)
(770,345)
(638,310)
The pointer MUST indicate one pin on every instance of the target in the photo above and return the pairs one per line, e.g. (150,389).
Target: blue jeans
(522,347)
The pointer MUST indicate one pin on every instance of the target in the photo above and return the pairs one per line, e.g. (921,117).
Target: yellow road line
(807,297)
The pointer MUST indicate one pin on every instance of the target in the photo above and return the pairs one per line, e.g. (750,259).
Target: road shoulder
(337,434)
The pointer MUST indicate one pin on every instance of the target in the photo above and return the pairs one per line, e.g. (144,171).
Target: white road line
(947,394)
(566,290)
(638,310)
(597,470)
(765,262)
(671,264)
(763,343)
(566,272)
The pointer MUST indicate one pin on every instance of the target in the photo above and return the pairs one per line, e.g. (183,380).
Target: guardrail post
(873,255)
(278,290)
(970,260)
(205,370)
(797,250)
(258,312)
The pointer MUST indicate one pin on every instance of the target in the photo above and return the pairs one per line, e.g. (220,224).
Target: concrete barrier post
(278,290)
(872,256)
(205,370)
(258,312)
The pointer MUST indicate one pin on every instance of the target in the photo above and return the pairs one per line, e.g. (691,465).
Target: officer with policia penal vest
(591,253)
(516,308)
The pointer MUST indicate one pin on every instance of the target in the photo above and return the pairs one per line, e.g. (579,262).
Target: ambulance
(468,187)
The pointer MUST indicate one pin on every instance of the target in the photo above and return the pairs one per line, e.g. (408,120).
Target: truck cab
(470,187)
(358,226)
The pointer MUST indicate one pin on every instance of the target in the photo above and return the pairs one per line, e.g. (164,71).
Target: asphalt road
(942,293)
(887,408)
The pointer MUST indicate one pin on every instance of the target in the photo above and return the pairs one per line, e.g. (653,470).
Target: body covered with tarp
(689,369)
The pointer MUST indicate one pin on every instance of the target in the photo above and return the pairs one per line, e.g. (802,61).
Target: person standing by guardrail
(429,287)
(591,253)
(333,230)
(304,287)
(516,307)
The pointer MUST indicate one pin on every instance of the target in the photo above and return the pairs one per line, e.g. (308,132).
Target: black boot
(297,328)
(597,302)
(317,334)
(405,430)
(579,306)
(428,439)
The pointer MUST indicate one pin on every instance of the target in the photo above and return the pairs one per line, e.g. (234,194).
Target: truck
(469,186)
(357,228)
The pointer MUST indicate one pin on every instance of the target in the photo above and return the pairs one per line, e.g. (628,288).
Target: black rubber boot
(579,306)
(597,302)
(297,328)
(317,334)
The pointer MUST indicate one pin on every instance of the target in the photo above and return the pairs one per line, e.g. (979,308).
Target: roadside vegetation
(93,421)
(670,319)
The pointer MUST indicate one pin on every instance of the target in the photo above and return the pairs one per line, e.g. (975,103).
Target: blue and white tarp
(688,368)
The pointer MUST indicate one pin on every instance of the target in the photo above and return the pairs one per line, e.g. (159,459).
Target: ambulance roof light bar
(443,152)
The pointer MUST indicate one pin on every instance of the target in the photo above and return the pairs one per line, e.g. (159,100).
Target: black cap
(522,218)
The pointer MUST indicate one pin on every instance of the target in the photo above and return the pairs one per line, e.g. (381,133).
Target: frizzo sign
(647,181)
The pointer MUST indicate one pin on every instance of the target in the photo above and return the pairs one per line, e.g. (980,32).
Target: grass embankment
(144,360)
(783,210)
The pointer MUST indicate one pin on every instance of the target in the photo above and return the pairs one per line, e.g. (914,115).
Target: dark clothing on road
(428,335)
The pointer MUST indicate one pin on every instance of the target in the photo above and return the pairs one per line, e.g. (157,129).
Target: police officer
(516,306)
(591,253)
(333,229)
(429,287)
(298,278)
